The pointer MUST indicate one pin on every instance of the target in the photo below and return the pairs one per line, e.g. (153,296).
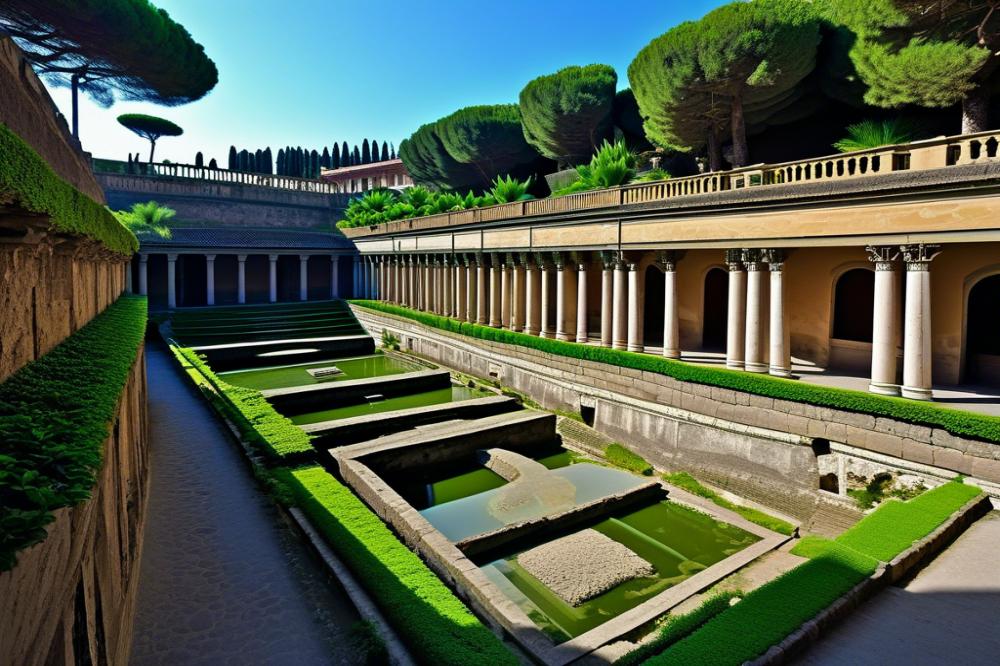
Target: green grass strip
(267,430)
(687,482)
(960,423)
(433,622)
(55,415)
(26,180)
(619,456)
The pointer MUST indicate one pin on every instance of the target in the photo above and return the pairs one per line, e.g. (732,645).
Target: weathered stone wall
(49,291)
(27,109)
(226,204)
(70,598)
(757,447)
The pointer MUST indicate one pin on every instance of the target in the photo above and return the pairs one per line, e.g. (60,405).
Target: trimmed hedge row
(961,423)
(55,415)
(270,432)
(778,608)
(431,619)
(687,482)
(26,179)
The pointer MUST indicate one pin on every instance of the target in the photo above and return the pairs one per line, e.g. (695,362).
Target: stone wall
(50,290)
(70,598)
(27,109)
(756,447)
(219,204)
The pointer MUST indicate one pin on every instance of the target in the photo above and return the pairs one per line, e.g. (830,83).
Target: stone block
(881,442)
(953,460)
(941,437)
(918,452)
(988,470)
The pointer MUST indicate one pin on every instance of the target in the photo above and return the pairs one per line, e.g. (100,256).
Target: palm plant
(147,219)
(874,134)
(613,164)
(509,189)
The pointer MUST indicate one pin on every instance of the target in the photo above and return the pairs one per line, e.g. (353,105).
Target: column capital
(883,256)
(172,256)
(918,256)
(542,260)
(209,257)
(273,258)
(143,258)
(752,259)
(610,259)
(241,258)
(667,259)
(525,259)
(303,258)
(734,260)
(774,257)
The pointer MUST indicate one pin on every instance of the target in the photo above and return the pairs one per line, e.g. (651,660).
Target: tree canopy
(429,163)
(127,49)
(149,127)
(568,114)
(928,53)
(490,138)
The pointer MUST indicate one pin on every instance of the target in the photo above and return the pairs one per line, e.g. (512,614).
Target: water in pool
(261,379)
(676,540)
(427,398)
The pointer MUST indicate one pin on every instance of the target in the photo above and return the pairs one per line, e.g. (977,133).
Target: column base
(618,344)
(734,365)
(755,367)
(883,389)
(776,371)
(495,324)
(672,353)
(547,334)
(605,343)
(565,337)
(583,340)
(635,348)
(516,329)
(916,393)
(530,331)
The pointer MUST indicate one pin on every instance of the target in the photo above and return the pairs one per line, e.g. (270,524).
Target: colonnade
(512,290)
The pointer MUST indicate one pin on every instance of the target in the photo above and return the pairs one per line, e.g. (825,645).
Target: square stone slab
(583,565)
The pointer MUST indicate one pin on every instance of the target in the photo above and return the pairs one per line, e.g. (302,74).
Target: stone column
(582,334)
(533,298)
(461,285)
(519,297)
(356,278)
(209,279)
(449,288)
(754,343)
(736,319)
(241,278)
(303,277)
(505,293)
(428,305)
(143,274)
(334,277)
(482,291)
(671,317)
(619,317)
(607,298)
(545,322)
(471,289)
(273,278)
(917,354)
(171,281)
(565,296)
(373,284)
(635,300)
(884,321)
(780,356)
(495,296)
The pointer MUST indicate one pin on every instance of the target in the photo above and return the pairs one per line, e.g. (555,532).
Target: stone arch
(715,308)
(981,321)
(853,305)
(652,317)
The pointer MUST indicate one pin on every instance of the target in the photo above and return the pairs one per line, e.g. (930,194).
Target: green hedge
(270,432)
(776,609)
(55,415)
(26,180)
(687,482)
(433,622)
(961,423)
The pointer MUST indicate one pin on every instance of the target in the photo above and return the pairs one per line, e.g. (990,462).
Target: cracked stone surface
(583,565)
(223,580)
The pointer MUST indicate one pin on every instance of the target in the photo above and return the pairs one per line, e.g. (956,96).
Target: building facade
(364,177)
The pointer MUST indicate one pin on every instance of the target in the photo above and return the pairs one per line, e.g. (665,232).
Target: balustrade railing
(935,153)
(191,172)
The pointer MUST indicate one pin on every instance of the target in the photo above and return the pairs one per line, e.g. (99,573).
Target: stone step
(833,518)
(294,400)
(245,355)
(583,436)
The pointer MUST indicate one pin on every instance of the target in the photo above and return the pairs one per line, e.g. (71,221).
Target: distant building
(364,177)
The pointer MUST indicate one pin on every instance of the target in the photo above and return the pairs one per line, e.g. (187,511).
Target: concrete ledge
(904,564)
(247,355)
(348,431)
(313,397)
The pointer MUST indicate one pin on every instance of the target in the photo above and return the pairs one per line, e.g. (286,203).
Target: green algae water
(261,379)
(676,540)
(425,399)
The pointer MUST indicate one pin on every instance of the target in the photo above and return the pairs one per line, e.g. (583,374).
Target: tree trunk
(714,151)
(75,86)
(152,147)
(975,111)
(741,154)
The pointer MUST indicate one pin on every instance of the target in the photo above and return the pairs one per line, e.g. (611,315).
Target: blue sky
(298,72)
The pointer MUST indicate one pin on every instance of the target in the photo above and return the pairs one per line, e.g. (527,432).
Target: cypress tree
(281,162)
(268,166)
(366,153)
(392,151)
(356,157)
(252,162)
(335,157)
(232,158)
(345,155)
(313,164)
(385,151)
(199,159)
(324,161)
(258,161)
(212,164)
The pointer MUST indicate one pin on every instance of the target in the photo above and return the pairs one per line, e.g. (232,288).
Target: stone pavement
(222,579)
(948,614)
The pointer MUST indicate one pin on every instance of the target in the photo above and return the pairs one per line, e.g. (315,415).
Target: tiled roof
(235,238)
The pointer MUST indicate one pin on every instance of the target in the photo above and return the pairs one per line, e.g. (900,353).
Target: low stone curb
(902,565)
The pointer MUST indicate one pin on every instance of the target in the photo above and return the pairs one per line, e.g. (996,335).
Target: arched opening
(652,318)
(982,340)
(853,312)
(715,310)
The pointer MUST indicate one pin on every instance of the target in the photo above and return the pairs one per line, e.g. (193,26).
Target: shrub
(687,482)
(653,175)
(147,219)
(874,134)
(619,456)
(508,190)
(612,165)
(435,624)
(55,415)
(960,423)
(25,179)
